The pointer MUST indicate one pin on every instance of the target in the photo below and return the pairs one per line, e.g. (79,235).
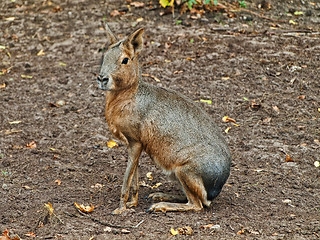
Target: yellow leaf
(185,230)
(164,3)
(140,19)
(298,13)
(112,144)
(15,122)
(228,119)
(318,109)
(26,76)
(237,125)
(3,85)
(10,19)
(225,78)
(174,232)
(317,164)
(41,53)
(149,176)
(83,208)
(62,64)
(227,129)
(49,207)
(206,101)
(2,47)
(292,22)
(156,185)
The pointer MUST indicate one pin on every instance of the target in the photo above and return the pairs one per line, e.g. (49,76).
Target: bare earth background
(262,73)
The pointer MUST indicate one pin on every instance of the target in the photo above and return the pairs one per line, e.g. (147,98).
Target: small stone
(107,229)
(287,201)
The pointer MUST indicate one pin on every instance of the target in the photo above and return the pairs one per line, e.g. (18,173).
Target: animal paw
(157,207)
(122,210)
(132,204)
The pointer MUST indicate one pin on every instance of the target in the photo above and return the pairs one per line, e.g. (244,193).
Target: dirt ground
(262,72)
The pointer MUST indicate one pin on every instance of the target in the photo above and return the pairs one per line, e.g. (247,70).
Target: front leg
(134,151)
(134,190)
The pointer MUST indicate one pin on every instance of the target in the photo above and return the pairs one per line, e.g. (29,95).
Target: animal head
(120,67)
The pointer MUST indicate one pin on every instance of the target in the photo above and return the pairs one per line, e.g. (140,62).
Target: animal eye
(125,61)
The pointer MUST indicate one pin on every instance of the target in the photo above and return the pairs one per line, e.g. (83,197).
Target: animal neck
(116,98)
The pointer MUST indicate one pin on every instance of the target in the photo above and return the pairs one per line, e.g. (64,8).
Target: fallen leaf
(166,3)
(288,158)
(58,181)
(115,13)
(7,132)
(156,185)
(112,144)
(149,176)
(174,232)
(15,122)
(316,164)
(297,13)
(137,4)
(83,208)
(32,145)
(227,129)
(276,109)
(237,125)
(228,119)
(255,105)
(49,207)
(301,97)
(149,75)
(140,19)
(30,234)
(26,76)
(10,19)
(185,230)
(5,236)
(211,226)
(242,231)
(62,64)
(287,201)
(41,53)
(61,103)
(292,22)
(3,85)
(206,101)
(2,47)
(125,231)
(225,78)
(26,187)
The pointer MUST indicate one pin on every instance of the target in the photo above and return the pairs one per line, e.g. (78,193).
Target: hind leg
(194,189)
(164,197)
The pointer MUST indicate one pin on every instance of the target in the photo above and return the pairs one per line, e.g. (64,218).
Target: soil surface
(260,69)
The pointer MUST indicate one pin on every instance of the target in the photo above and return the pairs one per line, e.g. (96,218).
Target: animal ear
(135,41)
(111,36)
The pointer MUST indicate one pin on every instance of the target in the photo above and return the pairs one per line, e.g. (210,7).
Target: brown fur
(175,133)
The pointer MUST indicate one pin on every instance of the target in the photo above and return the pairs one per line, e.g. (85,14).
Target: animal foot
(123,210)
(132,204)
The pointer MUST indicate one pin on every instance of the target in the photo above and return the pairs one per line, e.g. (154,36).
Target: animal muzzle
(102,82)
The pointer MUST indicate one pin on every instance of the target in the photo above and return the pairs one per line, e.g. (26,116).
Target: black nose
(102,79)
